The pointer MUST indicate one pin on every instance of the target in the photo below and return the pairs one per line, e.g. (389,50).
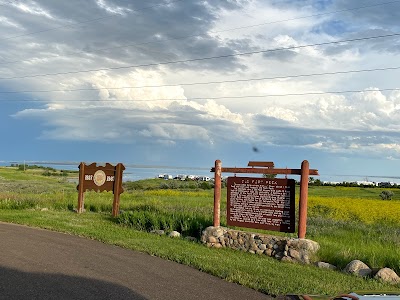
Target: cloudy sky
(186,82)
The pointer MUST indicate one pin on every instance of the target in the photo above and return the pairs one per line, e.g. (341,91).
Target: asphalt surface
(41,264)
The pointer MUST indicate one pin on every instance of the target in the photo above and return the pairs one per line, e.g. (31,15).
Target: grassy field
(349,223)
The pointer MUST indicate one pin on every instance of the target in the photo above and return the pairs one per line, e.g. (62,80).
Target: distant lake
(132,172)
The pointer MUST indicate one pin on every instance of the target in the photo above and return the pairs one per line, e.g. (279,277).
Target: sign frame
(100,178)
(266,168)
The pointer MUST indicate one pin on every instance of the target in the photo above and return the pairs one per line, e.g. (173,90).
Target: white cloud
(113,9)
(4,21)
(341,123)
(33,8)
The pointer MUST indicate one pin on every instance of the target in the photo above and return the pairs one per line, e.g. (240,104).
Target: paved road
(41,264)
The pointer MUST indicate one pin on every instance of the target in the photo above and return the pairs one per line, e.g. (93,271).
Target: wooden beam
(267,164)
(265,171)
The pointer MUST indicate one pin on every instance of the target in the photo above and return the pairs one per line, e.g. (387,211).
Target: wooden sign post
(263,203)
(99,179)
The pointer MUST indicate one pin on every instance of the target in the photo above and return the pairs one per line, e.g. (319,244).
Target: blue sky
(118,98)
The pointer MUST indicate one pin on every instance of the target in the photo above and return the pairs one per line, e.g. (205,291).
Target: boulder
(357,267)
(174,234)
(387,275)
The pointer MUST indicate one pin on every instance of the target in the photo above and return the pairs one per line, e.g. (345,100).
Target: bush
(386,195)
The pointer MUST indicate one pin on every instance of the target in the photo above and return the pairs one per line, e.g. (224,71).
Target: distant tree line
(48,171)
(316,182)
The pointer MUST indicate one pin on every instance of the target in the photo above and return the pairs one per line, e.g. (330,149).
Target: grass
(349,223)
(260,273)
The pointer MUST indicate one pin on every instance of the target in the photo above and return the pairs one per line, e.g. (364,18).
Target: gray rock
(262,247)
(217,245)
(268,252)
(357,267)
(218,231)
(325,265)
(294,254)
(174,234)
(387,275)
(305,244)
(212,239)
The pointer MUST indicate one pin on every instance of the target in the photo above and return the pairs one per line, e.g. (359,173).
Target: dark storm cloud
(385,44)
(381,16)
(155,34)
(283,133)
(283,55)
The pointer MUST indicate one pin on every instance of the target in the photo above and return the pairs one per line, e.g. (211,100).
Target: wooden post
(117,189)
(217,193)
(80,188)
(305,167)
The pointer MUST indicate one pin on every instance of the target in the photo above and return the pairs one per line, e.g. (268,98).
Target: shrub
(386,195)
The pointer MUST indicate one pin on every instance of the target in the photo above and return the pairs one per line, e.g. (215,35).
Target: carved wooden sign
(261,203)
(100,178)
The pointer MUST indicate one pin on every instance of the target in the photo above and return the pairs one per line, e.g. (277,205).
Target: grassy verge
(349,223)
(260,273)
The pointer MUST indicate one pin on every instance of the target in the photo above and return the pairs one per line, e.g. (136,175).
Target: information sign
(261,203)
(100,178)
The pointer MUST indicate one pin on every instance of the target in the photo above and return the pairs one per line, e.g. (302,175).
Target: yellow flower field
(345,208)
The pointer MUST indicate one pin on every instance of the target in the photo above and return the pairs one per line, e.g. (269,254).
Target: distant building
(385,184)
(364,183)
(180,177)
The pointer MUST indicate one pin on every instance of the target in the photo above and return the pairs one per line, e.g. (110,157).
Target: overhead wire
(203,58)
(205,97)
(211,32)
(205,83)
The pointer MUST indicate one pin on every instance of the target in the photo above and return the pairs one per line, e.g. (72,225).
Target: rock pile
(282,248)
(358,268)
(286,249)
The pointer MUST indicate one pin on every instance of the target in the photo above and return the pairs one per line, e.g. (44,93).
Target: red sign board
(261,203)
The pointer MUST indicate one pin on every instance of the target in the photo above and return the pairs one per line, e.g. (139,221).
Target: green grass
(260,273)
(378,245)
(23,196)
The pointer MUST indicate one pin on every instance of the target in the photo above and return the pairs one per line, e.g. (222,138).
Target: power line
(203,58)
(204,98)
(204,83)
(212,32)
(83,22)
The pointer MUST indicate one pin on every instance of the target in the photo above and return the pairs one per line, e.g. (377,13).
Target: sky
(183,83)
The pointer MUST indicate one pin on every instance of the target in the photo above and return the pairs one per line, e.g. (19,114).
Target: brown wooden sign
(261,203)
(261,167)
(100,178)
